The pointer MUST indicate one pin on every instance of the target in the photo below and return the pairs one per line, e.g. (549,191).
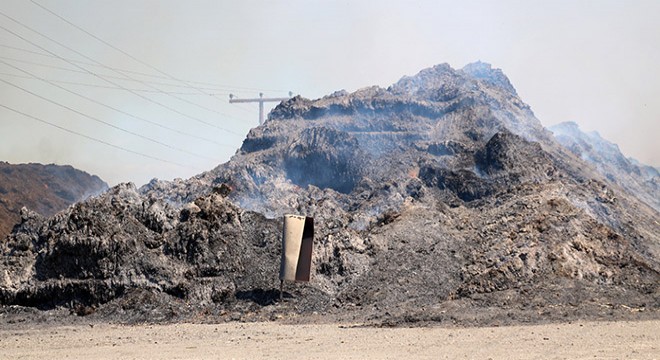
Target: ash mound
(607,159)
(440,198)
(45,189)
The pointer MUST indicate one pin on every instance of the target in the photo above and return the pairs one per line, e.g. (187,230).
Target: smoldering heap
(439,199)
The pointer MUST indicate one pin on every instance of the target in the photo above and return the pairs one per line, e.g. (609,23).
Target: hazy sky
(592,62)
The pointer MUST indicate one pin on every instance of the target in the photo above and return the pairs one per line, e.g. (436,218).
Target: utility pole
(261,100)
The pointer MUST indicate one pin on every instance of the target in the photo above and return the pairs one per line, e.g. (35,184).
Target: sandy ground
(588,340)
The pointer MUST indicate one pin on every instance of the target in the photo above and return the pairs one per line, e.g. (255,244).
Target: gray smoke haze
(594,63)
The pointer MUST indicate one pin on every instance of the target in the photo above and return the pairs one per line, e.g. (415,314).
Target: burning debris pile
(109,246)
(440,198)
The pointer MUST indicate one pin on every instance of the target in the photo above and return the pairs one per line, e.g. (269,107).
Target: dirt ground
(580,340)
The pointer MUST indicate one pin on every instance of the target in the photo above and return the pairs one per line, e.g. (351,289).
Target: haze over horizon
(590,62)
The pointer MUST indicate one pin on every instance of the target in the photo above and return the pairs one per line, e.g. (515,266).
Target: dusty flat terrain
(602,340)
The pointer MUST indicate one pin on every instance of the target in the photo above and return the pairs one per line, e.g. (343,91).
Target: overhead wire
(121,112)
(215,86)
(99,76)
(188,101)
(42,64)
(188,84)
(105,86)
(102,121)
(113,47)
(85,63)
(123,78)
(97,140)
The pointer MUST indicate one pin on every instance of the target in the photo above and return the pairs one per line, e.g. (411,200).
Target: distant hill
(45,189)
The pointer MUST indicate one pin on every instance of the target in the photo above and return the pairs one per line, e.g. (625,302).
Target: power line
(186,101)
(98,76)
(122,112)
(114,47)
(101,121)
(139,61)
(100,86)
(42,64)
(123,78)
(216,86)
(87,63)
(107,86)
(97,140)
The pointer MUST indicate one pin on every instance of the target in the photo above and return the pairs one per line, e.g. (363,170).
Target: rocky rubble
(98,250)
(440,198)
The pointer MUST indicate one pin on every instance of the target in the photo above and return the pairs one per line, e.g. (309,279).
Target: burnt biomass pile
(440,198)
